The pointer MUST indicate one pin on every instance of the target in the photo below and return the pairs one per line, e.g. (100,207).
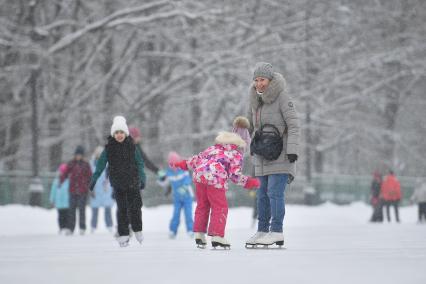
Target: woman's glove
(292,158)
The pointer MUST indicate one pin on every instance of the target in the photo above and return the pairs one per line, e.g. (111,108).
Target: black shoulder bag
(268,144)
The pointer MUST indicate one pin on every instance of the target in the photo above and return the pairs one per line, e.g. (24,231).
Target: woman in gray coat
(271,104)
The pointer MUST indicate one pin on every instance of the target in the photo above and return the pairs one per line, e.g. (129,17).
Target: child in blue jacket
(181,187)
(59,197)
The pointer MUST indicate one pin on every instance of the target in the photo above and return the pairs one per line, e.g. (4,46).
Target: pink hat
(62,168)
(174,157)
(135,132)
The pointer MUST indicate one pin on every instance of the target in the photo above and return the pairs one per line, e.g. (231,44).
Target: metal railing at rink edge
(339,189)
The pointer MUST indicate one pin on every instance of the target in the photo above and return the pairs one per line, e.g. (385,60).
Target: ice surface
(324,244)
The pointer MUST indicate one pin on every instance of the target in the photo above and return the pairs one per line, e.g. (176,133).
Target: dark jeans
(108,217)
(129,204)
(422,211)
(63,218)
(77,201)
(395,205)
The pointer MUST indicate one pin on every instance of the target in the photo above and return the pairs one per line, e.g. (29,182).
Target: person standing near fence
(391,194)
(419,196)
(79,173)
(376,202)
(102,196)
(59,197)
(271,104)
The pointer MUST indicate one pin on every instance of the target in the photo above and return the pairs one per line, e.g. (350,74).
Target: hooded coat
(220,162)
(275,107)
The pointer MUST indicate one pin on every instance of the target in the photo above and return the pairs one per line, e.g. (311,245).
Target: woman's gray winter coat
(275,107)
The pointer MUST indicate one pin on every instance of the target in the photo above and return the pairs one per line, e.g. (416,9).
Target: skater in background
(137,138)
(211,170)
(183,195)
(270,103)
(376,201)
(127,177)
(419,197)
(79,173)
(59,197)
(102,195)
(390,192)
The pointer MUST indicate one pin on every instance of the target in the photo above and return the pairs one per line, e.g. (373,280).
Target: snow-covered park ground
(324,244)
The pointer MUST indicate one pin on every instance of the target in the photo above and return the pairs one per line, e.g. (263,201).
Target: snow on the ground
(324,244)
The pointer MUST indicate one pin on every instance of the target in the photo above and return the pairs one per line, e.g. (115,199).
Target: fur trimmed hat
(119,123)
(225,137)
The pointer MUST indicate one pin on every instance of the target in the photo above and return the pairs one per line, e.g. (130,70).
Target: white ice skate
(220,242)
(200,240)
(123,241)
(251,243)
(270,239)
(139,236)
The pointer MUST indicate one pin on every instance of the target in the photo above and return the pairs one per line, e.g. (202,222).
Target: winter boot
(123,241)
(139,236)
(200,239)
(271,238)
(220,242)
(252,241)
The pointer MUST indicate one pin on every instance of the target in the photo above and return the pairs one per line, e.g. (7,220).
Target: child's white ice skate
(200,240)
(139,236)
(123,241)
(220,242)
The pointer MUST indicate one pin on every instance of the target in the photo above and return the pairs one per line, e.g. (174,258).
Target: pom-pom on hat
(119,123)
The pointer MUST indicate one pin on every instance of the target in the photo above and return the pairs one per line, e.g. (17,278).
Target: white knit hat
(119,123)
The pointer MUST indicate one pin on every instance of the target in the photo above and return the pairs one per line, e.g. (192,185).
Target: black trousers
(395,205)
(63,218)
(77,201)
(129,204)
(422,211)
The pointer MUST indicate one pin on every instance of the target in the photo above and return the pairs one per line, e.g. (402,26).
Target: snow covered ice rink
(324,244)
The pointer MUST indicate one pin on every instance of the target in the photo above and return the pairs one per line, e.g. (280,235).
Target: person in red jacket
(79,173)
(390,192)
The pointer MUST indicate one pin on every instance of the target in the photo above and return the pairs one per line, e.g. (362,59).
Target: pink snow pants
(210,201)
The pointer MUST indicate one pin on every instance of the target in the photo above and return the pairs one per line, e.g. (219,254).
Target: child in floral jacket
(211,170)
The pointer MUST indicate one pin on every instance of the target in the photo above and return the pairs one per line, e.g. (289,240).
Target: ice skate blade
(277,245)
(123,245)
(220,245)
(201,246)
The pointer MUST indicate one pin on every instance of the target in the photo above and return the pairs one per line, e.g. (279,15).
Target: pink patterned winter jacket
(218,163)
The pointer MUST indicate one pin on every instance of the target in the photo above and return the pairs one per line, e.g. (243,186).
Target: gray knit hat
(263,69)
